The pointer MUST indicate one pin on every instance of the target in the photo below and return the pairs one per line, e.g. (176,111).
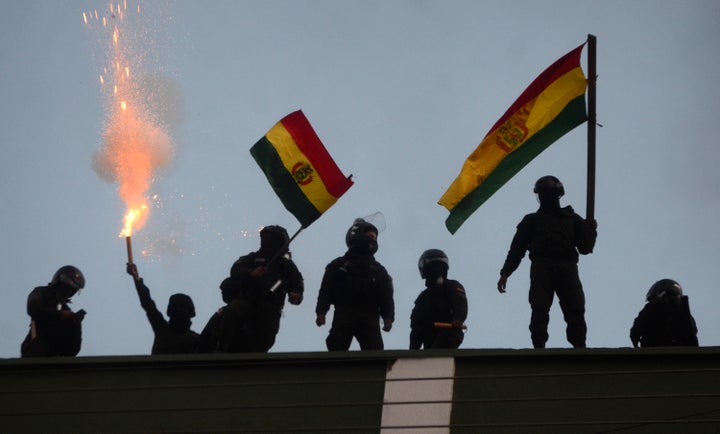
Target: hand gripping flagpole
(591,123)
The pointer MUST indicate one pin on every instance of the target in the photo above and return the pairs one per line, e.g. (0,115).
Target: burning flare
(130,217)
(135,145)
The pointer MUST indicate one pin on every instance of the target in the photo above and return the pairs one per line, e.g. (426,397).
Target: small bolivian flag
(552,105)
(299,168)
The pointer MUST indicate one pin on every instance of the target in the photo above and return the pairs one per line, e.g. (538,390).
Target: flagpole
(591,123)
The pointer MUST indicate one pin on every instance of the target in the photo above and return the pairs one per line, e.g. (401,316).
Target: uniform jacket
(53,334)
(665,323)
(357,281)
(170,337)
(446,302)
(263,289)
(559,234)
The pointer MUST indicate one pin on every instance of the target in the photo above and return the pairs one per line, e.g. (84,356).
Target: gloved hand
(502,284)
(132,270)
(387,325)
(295,298)
(320,320)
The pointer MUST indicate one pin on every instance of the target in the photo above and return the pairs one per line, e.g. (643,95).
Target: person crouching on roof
(55,330)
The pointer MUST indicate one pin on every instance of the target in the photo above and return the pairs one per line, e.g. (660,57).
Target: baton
(446,325)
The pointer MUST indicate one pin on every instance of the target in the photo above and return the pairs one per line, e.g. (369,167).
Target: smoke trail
(136,142)
(133,150)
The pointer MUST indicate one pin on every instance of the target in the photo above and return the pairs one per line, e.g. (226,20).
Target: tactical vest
(356,283)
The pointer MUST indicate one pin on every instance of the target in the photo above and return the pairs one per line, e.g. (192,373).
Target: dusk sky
(400,92)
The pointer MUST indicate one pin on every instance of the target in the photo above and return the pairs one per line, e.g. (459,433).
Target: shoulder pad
(457,286)
(335,263)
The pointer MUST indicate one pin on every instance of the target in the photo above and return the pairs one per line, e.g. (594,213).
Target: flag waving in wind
(299,168)
(552,105)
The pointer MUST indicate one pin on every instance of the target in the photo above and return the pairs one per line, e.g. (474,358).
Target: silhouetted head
(229,289)
(549,190)
(68,280)
(362,237)
(180,306)
(434,265)
(273,238)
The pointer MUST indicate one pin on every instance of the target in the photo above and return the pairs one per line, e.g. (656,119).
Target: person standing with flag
(360,289)
(261,281)
(554,238)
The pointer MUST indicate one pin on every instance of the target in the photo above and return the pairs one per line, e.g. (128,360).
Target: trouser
(349,323)
(248,326)
(548,278)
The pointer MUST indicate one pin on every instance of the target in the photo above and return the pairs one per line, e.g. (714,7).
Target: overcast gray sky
(400,92)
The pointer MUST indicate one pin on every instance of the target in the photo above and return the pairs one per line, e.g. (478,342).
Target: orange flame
(132,216)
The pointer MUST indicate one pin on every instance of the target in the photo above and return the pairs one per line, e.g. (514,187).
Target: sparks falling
(135,145)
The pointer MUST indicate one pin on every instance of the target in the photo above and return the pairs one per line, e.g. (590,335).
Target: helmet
(69,276)
(180,305)
(664,288)
(432,256)
(274,237)
(549,185)
(355,236)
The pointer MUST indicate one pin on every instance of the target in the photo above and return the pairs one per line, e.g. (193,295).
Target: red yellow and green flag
(299,168)
(552,105)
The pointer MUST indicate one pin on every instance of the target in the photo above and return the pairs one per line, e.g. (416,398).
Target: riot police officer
(172,336)
(361,291)
(666,319)
(260,280)
(441,308)
(554,238)
(55,330)
(210,334)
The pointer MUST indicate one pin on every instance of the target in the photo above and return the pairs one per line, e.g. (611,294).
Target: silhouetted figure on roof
(554,237)
(55,330)
(361,291)
(172,336)
(666,319)
(437,319)
(210,335)
(262,280)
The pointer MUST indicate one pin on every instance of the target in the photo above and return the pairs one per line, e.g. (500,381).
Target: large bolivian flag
(552,105)
(299,168)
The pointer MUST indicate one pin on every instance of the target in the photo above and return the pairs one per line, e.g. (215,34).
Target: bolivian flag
(299,168)
(551,106)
